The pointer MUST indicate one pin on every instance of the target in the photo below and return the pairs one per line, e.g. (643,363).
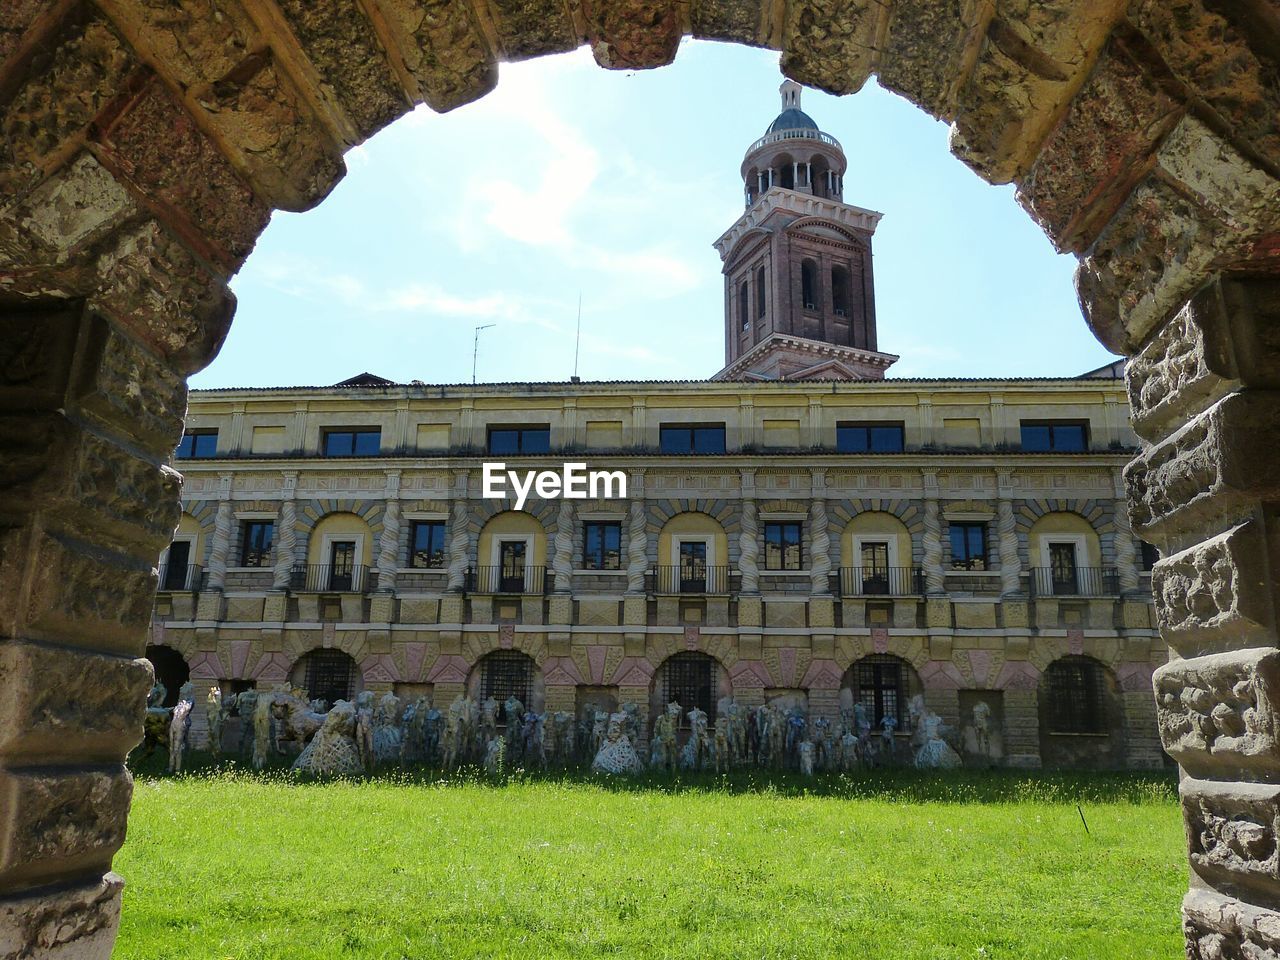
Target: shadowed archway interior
(144,146)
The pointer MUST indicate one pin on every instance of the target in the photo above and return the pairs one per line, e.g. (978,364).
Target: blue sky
(570,180)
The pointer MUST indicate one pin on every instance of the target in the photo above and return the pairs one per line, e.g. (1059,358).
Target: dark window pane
(504,441)
(1035,437)
(535,440)
(338,443)
(968,546)
(184,447)
(850,439)
(886,439)
(368,443)
(256,548)
(427,548)
(708,440)
(675,440)
(602,546)
(1149,555)
(1068,437)
(194,445)
(782,546)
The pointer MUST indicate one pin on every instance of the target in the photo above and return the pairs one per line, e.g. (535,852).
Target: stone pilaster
(459,534)
(389,543)
(562,557)
(1007,531)
(749,536)
(286,534)
(637,536)
(819,538)
(932,540)
(1126,549)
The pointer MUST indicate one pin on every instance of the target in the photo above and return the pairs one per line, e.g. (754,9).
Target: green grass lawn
(894,866)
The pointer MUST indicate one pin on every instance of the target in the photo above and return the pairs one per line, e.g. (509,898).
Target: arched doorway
(171,670)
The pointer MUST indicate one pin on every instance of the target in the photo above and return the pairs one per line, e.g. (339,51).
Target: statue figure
(723,739)
(246,709)
(935,754)
(665,728)
(293,720)
(364,728)
(319,705)
(410,739)
(888,746)
(915,718)
(157,695)
(214,712)
(332,752)
(534,739)
(696,748)
(566,737)
(822,744)
(632,725)
(755,738)
(848,752)
(432,722)
(387,736)
(796,727)
(599,728)
(805,750)
(739,718)
(616,754)
(776,739)
(495,755)
(179,728)
(982,727)
(862,725)
(514,710)
(455,733)
(488,723)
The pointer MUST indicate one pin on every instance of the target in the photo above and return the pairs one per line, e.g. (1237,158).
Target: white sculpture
(216,711)
(888,745)
(723,752)
(387,736)
(982,727)
(697,747)
(805,751)
(616,754)
(495,755)
(364,728)
(179,727)
(332,752)
(663,752)
(935,754)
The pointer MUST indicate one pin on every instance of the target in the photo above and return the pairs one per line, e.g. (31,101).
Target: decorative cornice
(819,350)
(800,204)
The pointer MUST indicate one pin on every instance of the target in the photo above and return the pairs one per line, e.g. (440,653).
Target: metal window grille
(881,687)
(330,676)
(505,674)
(686,680)
(1076,696)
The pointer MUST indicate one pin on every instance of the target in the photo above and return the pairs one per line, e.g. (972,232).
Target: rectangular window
(255,545)
(514,441)
(691,438)
(1055,436)
(602,546)
(968,546)
(782,546)
(869,438)
(197,445)
(426,544)
(353,442)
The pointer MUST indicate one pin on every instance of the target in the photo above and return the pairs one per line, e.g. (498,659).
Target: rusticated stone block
(1252,309)
(533,28)
(1146,263)
(61,821)
(1203,477)
(419,610)
(212,49)
(443,49)
(1232,831)
(110,490)
(1098,152)
(152,286)
(831,45)
(738,21)
(75,923)
(66,86)
(632,34)
(1218,927)
(158,148)
(341,44)
(1035,59)
(929,49)
(1239,192)
(1210,50)
(15,17)
(65,703)
(1217,714)
(36,348)
(1216,595)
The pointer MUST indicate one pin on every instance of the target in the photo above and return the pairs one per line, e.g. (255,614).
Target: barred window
(505,674)
(688,679)
(330,676)
(879,683)
(1076,696)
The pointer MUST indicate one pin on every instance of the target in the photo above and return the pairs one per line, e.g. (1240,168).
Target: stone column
(637,536)
(220,545)
(749,547)
(286,534)
(562,557)
(459,535)
(819,538)
(1125,547)
(389,542)
(1205,488)
(932,541)
(1007,531)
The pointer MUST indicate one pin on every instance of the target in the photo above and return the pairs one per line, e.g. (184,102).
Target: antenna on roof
(577,342)
(475,348)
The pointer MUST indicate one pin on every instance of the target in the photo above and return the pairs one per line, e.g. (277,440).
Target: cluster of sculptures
(354,737)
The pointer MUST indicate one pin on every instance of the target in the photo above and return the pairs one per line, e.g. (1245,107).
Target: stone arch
(904,511)
(327,673)
(848,236)
(171,670)
(883,683)
(1142,138)
(506,671)
(689,675)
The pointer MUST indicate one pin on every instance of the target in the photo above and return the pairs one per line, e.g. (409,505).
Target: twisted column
(459,542)
(932,543)
(637,548)
(820,541)
(389,545)
(749,548)
(286,545)
(562,559)
(1010,562)
(1126,549)
(220,547)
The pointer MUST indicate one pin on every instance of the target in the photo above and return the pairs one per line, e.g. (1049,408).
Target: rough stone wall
(143,144)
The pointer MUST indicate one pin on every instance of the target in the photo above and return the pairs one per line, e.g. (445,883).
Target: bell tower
(799,293)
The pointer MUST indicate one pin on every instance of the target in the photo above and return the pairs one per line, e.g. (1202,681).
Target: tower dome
(794,154)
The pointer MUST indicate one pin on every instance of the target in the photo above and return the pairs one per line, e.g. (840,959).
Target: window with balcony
(255,543)
(968,546)
(426,544)
(602,545)
(197,445)
(869,437)
(517,441)
(1055,436)
(782,546)
(352,442)
(691,438)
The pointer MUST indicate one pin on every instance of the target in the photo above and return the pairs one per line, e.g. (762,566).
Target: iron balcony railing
(529,580)
(674,578)
(178,578)
(881,581)
(323,578)
(1075,582)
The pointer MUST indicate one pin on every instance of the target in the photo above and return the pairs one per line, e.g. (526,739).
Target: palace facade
(797,530)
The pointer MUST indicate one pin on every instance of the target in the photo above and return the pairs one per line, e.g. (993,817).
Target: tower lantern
(799,297)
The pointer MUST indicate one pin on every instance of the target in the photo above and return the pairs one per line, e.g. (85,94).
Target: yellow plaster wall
(512,523)
(693,524)
(337,525)
(1070,523)
(874,523)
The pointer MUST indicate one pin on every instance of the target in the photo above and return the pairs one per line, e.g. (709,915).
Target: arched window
(840,291)
(329,675)
(505,674)
(1075,691)
(760,300)
(788,175)
(744,304)
(171,670)
(809,285)
(689,679)
(882,684)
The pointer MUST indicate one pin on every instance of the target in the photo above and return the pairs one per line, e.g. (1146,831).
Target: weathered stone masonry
(142,145)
